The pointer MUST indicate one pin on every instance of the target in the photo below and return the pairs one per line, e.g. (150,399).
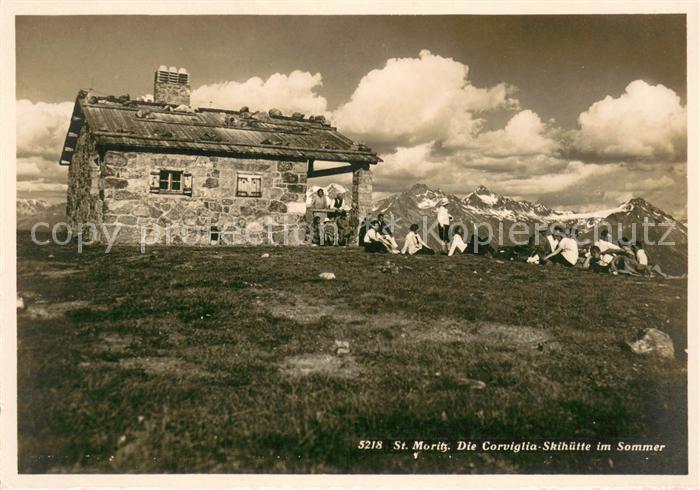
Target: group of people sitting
(559,248)
(603,256)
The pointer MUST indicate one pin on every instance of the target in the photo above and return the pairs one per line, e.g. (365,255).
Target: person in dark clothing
(344,230)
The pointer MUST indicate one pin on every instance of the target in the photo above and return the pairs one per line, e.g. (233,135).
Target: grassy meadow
(218,360)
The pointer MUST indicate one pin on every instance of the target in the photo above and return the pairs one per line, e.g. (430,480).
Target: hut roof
(121,123)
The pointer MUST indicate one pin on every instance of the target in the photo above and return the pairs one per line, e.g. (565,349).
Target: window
(171,182)
(249,185)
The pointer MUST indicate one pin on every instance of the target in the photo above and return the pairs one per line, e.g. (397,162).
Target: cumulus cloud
(41,187)
(412,101)
(647,122)
(295,92)
(41,128)
(525,134)
(38,177)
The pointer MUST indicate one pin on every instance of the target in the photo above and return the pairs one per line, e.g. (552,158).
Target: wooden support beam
(329,171)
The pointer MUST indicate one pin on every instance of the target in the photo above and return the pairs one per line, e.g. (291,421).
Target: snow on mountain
(30,207)
(331,191)
(483,207)
(32,211)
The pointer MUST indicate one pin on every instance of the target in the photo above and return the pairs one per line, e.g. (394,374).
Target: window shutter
(155,182)
(187,184)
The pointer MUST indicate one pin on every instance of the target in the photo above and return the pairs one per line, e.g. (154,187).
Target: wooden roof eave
(242,151)
(77,121)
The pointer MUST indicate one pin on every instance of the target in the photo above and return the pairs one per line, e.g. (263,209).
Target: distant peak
(638,201)
(482,190)
(419,188)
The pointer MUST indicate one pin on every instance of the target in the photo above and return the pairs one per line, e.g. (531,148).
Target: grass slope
(218,360)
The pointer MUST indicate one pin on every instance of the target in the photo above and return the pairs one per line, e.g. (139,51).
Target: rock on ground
(653,341)
(327,276)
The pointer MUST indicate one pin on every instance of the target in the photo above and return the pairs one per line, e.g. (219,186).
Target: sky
(576,112)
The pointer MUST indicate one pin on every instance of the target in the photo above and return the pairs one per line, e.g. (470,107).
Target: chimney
(171,86)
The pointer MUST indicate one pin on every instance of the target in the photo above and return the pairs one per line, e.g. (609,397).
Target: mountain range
(479,206)
(483,206)
(31,211)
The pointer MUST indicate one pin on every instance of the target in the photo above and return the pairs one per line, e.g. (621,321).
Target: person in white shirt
(457,244)
(640,254)
(443,219)
(385,231)
(374,242)
(320,200)
(414,244)
(608,249)
(551,244)
(641,264)
(566,252)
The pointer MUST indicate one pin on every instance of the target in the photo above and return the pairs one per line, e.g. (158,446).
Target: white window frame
(246,193)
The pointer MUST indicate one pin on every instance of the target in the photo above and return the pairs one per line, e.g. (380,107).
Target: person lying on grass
(641,266)
(414,244)
(374,242)
(566,253)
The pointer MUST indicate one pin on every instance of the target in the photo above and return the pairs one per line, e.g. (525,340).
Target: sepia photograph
(437,244)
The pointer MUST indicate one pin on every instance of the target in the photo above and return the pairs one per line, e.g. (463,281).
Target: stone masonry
(362,191)
(121,196)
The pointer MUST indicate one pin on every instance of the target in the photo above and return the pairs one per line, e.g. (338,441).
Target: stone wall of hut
(84,200)
(213,206)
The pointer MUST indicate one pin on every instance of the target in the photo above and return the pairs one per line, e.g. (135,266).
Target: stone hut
(161,167)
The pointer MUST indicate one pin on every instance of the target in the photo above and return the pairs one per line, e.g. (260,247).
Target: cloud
(295,92)
(411,101)
(647,122)
(525,134)
(29,168)
(41,186)
(41,128)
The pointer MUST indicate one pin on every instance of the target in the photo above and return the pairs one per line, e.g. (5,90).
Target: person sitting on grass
(594,262)
(373,241)
(551,242)
(535,257)
(566,253)
(609,251)
(457,243)
(385,231)
(414,244)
